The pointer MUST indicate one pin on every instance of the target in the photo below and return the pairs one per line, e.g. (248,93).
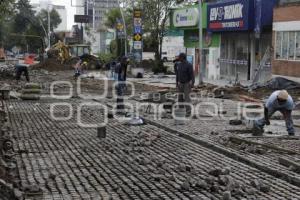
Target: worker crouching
(278,101)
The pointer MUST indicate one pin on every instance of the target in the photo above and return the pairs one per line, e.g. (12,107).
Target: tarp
(278,83)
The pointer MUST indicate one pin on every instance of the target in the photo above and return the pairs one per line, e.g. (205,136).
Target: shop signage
(230,16)
(186,17)
(83,19)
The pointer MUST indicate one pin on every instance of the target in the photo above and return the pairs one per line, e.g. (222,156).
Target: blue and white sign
(232,15)
(138,29)
(186,17)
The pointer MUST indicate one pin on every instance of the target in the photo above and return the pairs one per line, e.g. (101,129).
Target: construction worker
(278,101)
(185,80)
(20,69)
(121,71)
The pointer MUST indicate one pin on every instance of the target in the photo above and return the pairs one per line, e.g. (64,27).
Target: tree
(6,8)
(55,19)
(155,21)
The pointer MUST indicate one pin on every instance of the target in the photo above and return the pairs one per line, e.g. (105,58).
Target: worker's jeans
(287,117)
(184,90)
(20,70)
(120,93)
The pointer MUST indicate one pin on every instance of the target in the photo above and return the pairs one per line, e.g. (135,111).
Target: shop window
(297,57)
(292,44)
(287,45)
(278,45)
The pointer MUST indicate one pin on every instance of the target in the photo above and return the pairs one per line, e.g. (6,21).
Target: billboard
(235,15)
(83,19)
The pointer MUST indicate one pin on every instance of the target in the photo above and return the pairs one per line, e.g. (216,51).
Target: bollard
(101,132)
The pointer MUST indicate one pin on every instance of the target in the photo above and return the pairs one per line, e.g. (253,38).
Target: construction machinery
(70,54)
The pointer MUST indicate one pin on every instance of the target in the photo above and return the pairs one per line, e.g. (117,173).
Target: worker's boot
(257,131)
(291,134)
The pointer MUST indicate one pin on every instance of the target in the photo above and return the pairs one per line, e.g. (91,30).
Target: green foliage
(6,8)
(55,19)
(106,57)
(112,16)
(159,67)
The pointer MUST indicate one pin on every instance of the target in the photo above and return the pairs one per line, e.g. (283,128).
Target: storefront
(187,19)
(245,28)
(286,40)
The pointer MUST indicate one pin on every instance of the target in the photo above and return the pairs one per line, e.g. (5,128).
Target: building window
(287,45)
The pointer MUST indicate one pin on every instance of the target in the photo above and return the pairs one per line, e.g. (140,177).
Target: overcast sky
(71,11)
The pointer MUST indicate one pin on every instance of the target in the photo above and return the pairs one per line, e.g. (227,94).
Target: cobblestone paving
(215,130)
(70,162)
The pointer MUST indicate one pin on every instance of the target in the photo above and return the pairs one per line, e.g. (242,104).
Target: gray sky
(71,11)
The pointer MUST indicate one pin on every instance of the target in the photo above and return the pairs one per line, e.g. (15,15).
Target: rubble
(7,70)
(8,164)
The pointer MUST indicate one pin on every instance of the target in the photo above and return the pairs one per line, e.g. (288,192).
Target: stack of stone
(8,164)
(31,91)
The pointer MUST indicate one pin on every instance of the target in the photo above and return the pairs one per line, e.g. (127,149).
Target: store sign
(186,17)
(230,16)
(83,19)
(120,29)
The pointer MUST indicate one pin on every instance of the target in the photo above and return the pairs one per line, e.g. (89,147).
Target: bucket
(180,116)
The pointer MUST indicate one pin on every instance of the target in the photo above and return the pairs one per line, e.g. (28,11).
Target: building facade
(286,40)
(98,10)
(246,36)
(187,19)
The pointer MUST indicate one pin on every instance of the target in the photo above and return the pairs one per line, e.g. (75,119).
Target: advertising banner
(235,15)
(120,29)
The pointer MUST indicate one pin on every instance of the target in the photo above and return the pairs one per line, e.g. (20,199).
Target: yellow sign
(120,26)
(137,37)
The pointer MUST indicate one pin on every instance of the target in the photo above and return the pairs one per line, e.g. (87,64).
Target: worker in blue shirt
(278,101)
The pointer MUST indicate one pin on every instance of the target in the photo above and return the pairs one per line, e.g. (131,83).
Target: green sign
(191,39)
(187,17)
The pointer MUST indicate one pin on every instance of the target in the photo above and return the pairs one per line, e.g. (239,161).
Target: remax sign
(230,16)
(185,17)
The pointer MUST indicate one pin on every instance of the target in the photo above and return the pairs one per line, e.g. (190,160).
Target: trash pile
(7,70)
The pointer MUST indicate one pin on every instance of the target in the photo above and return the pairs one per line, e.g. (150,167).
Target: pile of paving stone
(31,91)
(7,70)
(7,161)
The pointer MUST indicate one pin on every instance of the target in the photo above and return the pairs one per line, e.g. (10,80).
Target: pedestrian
(176,62)
(20,69)
(112,69)
(121,72)
(280,101)
(185,80)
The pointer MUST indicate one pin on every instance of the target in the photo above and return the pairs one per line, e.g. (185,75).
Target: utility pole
(200,42)
(49,34)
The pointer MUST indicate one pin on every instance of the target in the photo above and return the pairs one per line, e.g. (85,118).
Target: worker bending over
(278,101)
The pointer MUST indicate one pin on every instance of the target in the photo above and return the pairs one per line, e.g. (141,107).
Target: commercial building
(286,40)
(245,27)
(98,10)
(187,19)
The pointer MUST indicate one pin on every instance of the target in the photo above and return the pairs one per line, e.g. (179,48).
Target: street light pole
(125,28)
(200,42)
(49,35)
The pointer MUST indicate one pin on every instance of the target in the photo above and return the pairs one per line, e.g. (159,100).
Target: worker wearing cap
(185,80)
(278,101)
